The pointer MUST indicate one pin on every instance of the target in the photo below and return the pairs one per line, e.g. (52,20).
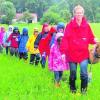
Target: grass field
(21,81)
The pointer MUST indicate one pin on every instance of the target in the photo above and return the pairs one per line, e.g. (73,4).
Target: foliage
(51,17)
(62,10)
(62,7)
(7,9)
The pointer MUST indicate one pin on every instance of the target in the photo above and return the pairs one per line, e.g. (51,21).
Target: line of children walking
(38,46)
(46,44)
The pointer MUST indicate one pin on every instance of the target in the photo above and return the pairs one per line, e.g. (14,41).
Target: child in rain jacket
(2,32)
(23,38)
(34,53)
(56,63)
(43,42)
(13,38)
(60,28)
(7,34)
(40,43)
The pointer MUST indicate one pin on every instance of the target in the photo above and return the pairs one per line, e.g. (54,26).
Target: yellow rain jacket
(30,45)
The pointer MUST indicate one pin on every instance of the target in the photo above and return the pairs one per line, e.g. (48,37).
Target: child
(13,38)
(43,42)
(23,38)
(2,32)
(56,63)
(40,43)
(7,34)
(34,53)
(60,28)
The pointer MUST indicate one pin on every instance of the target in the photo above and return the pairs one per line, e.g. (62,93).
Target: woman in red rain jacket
(77,37)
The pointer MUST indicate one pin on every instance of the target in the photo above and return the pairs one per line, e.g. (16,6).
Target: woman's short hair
(78,7)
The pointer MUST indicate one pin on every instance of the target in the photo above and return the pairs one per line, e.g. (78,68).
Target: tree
(51,18)
(34,6)
(8,10)
(62,10)
(63,7)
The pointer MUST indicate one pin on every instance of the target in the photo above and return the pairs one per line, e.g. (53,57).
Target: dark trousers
(13,51)
(83,74)
(23,55)
(43,59)
(1,48)
(7,49)
(58,75)
(34,58)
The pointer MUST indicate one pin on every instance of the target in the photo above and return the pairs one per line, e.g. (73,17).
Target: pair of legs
(34,58)
(58,76)
(13,51)
(23,55)
(7,50)
(83,75)
(43,59)
(1,48)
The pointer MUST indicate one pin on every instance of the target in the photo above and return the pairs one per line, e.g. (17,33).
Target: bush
(4,20)
(51,18)
(8,10)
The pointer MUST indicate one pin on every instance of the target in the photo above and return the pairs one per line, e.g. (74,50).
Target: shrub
(51,18)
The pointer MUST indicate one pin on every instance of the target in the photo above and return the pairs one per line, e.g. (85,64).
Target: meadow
(21,81)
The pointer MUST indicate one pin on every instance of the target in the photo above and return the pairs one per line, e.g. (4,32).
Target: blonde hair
(78,7)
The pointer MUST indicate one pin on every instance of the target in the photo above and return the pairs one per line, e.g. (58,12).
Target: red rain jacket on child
(43,41)
(13,38)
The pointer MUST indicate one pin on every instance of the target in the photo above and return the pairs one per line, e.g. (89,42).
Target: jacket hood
(74,23)
(60,25)
(25,31)
(44,25)
(2,29)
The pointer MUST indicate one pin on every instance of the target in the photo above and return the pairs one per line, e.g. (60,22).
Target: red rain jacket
(76,41)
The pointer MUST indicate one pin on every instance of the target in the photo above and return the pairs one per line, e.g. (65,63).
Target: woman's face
(79,13)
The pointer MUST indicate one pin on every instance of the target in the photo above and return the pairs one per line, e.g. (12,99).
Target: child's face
(25,33)
(35,33)
(46,29)
(10,29)
(16,31)
(61,30)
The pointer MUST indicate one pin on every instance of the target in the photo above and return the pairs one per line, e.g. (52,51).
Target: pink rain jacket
(55,59)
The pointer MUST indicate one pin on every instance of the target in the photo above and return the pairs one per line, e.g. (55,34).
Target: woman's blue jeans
(83,73)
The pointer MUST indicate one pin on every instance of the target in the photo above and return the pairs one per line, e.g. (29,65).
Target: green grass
(21,81)
(96,29)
